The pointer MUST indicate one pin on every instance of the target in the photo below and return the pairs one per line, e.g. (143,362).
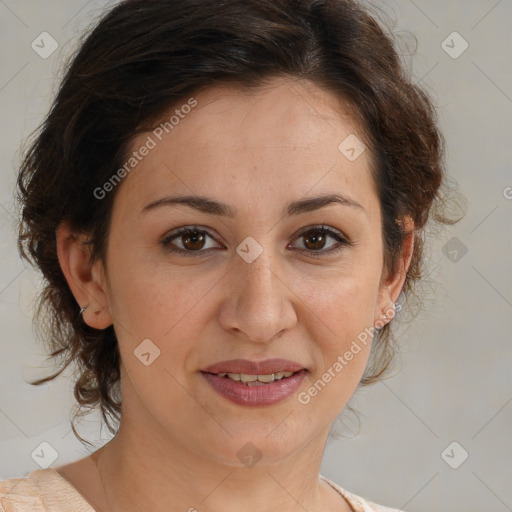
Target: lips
(252,395)
(266,367)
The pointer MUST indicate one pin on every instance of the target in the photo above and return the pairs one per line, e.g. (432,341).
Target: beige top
(45,490)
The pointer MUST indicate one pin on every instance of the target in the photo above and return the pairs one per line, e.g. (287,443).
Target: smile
(255,390)
(256,380)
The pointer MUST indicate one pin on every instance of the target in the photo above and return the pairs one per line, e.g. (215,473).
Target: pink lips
(260,395)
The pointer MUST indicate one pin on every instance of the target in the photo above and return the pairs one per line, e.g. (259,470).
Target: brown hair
(143,57)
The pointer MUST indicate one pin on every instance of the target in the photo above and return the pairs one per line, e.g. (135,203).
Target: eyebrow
(213,207)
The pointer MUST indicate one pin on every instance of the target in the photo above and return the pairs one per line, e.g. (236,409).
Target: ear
(86,280)
(391,286)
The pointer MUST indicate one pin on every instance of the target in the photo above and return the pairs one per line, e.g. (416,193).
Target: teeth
(246,378)
(266,378)
(255,380)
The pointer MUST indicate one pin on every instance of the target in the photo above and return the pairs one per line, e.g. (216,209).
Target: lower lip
(267,394)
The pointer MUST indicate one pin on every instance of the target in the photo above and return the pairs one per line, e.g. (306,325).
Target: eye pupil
(317,240)
(195,238)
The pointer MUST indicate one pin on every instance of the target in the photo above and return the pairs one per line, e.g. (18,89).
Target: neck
(143,468)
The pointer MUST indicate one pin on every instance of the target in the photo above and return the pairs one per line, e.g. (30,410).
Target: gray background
(455,382)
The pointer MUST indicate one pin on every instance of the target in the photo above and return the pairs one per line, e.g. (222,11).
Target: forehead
(284,136)
(284,110)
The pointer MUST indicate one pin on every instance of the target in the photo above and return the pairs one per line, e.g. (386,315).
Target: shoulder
(358,503)
(42,490)
(20,494)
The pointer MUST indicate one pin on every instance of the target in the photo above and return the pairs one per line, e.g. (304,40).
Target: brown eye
(189,241)
(193,240)
(315,240)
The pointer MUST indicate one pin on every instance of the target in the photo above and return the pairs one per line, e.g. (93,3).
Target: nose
(260,303)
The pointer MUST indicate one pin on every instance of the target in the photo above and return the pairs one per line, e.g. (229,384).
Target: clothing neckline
(350,498)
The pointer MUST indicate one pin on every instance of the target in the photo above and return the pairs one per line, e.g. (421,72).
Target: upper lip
(247,367)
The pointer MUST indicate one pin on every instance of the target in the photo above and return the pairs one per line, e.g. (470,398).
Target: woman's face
(257,280)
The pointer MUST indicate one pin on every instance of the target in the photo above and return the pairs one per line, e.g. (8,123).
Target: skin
(178,439)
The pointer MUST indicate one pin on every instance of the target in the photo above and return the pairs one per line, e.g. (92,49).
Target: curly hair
(143,57)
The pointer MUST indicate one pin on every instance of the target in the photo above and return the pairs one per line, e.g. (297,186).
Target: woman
(226,200)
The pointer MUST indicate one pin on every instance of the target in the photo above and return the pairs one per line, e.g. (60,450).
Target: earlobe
(84,278)
(392,288)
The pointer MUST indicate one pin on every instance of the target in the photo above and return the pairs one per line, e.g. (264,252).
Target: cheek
(340,309)
(152,299)
(167,309)
(341,327)
(342,302)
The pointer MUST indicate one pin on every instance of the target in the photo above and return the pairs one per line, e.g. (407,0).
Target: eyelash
(343,242)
